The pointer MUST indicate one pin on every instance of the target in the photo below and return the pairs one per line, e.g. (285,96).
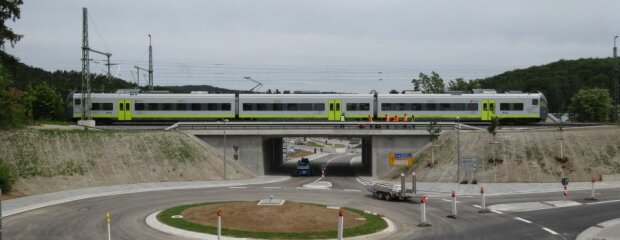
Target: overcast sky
(350,46)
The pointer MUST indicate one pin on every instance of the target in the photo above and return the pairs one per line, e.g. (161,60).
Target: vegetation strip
(372,224)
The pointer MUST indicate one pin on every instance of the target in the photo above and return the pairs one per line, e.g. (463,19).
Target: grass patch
(373,224)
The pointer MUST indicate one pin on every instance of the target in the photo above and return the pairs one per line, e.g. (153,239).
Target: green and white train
(111,107)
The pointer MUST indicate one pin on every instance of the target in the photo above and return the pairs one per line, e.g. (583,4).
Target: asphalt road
(85,219)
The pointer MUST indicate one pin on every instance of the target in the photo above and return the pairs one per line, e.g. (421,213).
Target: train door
(124,109)
(488,110)
(335,109)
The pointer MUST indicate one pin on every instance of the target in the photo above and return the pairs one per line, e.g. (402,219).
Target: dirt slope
(526,155)
(55,160)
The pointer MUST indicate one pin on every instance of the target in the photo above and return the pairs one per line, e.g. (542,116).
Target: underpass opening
(342,156)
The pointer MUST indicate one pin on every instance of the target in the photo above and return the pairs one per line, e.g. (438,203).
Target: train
(137,106)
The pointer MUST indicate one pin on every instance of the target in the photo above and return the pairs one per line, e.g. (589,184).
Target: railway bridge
(258,146)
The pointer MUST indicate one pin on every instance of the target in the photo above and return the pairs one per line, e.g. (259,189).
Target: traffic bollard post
(219,223)
(423,222)
(565,193)
(483,201)
(402,184)
(340,223)
(592,196)
(107,219)
(453,215)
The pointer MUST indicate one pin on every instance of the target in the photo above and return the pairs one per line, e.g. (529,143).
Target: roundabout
(249,219)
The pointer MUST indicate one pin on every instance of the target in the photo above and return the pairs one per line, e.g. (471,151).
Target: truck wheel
(380,195)
(387,197)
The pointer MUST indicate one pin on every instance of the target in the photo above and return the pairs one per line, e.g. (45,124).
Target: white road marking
(610,201)
(495,211)
(352,190)
(477,206)
(238,187)
(448,200)
(550,231)
(523,220)
(273,187)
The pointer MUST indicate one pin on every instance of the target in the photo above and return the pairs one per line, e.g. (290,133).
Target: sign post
(340,222)
(107,219)
(219,223)
(592,198)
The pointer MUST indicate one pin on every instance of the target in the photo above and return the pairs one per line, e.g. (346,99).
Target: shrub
(7,178)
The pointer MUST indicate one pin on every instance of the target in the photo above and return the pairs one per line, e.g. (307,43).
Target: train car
(136,107)
(468,107)
(305,106)
(513,107)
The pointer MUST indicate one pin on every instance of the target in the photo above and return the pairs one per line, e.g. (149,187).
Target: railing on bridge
(309,125)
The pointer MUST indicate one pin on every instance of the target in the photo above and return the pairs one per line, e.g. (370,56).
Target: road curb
(15,206)
(592,232)
(152,221)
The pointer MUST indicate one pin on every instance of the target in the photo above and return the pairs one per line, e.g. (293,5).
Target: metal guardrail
(308,125)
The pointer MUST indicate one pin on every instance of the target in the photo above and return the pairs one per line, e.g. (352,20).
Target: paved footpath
(609,230)
(18,205)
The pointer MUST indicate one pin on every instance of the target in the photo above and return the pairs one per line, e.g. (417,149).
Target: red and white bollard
(423,222)
(565,193)
(219,223)
(340,223)
(453,215)
(483,201)
(107,219)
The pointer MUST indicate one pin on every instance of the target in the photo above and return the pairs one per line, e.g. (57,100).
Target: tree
(9,9)
(590,105)
(7,178)
(429,84)
(433,131)
(44,102)
(11,111)
(460,84)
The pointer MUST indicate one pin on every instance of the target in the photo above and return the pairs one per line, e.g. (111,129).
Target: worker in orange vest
(387,120)
(405,120)
(369,121)
(396,118)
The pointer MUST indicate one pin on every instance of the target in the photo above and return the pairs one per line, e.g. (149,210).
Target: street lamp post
(225,147)
(458,149)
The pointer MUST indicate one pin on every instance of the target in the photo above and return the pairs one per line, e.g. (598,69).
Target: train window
(127,108)
(331,107)
(278,107)
(225,106)
(306,107)
(107,106)
(139,106)
(386,107)
(78,101)
(534,101)
(291,107)
(212,106)
(351,106)
(400,106)
(319,107)
(167,106)
(458,106)
(416,106)
(472,106)
(152,106)
(96,106)
(196,107)
(181,107)
(444,106)
(491,107)
(121,107)
(517,107)
(484,107)
(504,107)
(430,107)
(248,107)
(337,106)
(364,107)
(261,107)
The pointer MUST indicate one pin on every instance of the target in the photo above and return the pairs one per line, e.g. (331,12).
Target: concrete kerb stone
(153,222)
(608,230)
(23,204)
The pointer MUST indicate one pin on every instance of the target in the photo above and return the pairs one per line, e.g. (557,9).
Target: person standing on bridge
(405,120)
(342,119)
(387,120)
(395,119)
(369,121)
